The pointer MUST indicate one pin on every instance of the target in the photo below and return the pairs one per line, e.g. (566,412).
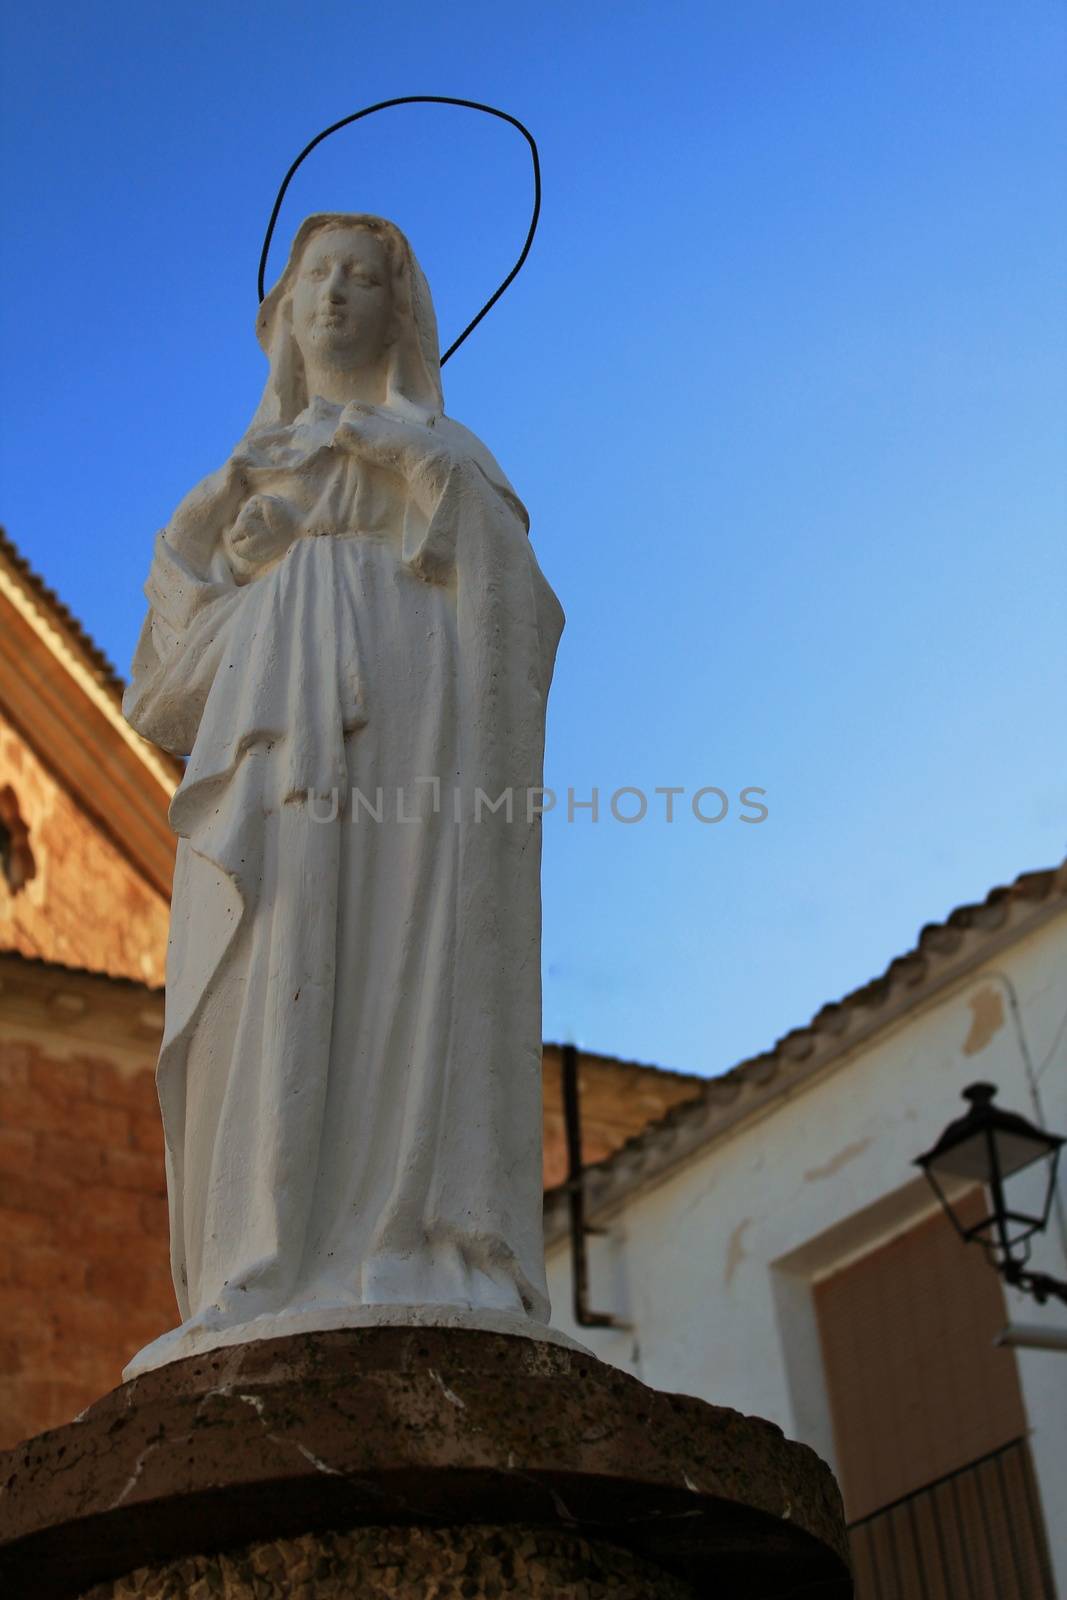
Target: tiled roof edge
(64,969)
(727,1100)
(61,614)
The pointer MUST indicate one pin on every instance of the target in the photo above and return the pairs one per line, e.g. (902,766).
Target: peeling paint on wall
(735,1251)
(987,1018)
(842,1158)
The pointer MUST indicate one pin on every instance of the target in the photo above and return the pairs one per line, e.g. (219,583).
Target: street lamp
(988,1146)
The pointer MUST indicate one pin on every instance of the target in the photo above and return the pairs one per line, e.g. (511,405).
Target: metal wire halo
(417,100)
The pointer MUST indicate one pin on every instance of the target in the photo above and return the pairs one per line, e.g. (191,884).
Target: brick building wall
(618,1099)
(84,1270)
(85,905)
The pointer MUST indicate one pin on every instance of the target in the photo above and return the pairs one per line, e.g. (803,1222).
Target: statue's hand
(263,532)
(206,511)
(383,439)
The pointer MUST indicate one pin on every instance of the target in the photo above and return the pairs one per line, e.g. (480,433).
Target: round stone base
(189,1340)
(474,1563)
(414,1462)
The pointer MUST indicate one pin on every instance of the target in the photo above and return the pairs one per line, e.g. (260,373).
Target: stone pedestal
(414,1464)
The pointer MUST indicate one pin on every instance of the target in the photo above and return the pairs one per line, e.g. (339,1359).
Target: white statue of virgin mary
(348,630)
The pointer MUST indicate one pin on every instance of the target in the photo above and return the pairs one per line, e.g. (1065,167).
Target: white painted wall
(714,1265)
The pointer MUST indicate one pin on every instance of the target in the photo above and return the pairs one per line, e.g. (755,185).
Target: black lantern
(989,1146)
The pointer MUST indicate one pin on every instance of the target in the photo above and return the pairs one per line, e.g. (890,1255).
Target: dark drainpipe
(580,1230)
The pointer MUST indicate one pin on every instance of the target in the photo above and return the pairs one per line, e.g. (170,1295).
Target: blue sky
(783,385)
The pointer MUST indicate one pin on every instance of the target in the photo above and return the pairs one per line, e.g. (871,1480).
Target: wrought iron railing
(976,1534)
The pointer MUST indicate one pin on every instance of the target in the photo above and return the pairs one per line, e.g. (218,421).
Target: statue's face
(341,301)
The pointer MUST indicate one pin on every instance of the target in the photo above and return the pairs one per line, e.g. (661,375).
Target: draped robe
(350,1074)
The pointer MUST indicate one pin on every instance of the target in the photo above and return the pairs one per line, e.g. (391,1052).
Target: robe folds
(350,1074)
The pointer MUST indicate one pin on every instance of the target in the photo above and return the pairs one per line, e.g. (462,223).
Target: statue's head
(341,302)
(352,296)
